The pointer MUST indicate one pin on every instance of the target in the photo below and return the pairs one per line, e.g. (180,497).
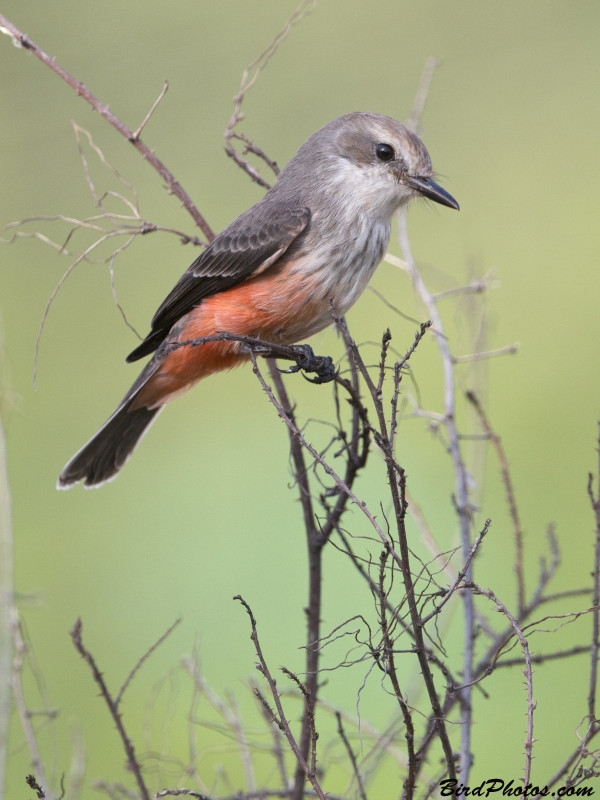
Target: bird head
(372,160)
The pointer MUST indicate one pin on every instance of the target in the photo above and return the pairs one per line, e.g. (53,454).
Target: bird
(312,242)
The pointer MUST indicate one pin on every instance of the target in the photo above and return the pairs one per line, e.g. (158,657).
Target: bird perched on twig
(313,240)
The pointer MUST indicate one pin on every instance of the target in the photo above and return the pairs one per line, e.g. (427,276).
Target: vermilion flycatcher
(314,239)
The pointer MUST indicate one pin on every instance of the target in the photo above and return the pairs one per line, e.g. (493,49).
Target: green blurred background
(205,509)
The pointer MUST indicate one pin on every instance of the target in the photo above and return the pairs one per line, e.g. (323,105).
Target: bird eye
(385,152)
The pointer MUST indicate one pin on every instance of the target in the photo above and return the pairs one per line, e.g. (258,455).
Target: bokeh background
(205,509)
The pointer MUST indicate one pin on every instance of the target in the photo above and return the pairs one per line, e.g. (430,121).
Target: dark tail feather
(104,455)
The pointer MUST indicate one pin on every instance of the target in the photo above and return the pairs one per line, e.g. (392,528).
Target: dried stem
(462,492)
(351,756)
(6,604)
(280,717)
(173,185)
(461,575)
(132,762)
(397,483)
(314,542)
(527,672)
(390,670)
(510,497)
(413,122)
(146,119)
(595,501)
(142,660)
(249,78)
(20,650)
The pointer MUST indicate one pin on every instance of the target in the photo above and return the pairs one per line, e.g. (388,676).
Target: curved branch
(173,186)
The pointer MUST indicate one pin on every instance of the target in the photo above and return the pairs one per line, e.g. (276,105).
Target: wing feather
(251,244)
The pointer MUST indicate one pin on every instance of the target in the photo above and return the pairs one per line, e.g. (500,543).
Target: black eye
(385,152)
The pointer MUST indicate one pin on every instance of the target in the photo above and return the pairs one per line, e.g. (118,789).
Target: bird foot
(307,361)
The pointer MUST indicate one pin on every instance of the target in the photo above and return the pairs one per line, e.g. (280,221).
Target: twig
(541,658)
(475,287)
(321,461)
(390,669)
(510,349)
(6,603)
(132,761)
(138,132)
(351,756)
(281,718)
(413,122)
(20,650)
(173,185)
(528,672)
(249,78)
(34,785)
(461,575)
(595,502)
(462,493)
(116,790)
(314,542)
(258,795)
(230,714)
(276,734)
(510,497)
(359,444)
(397,483)
(142,661)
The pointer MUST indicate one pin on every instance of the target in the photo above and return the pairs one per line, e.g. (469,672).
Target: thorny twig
(280,717)
(314,542)
(142,660)
(397,483)
(108,226)
(249,78)
(462,492)
(132,761)
(461,575)
(510,497)
(528,673)
(351,756)
(173,185)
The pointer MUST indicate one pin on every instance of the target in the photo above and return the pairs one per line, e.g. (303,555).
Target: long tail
(103,456)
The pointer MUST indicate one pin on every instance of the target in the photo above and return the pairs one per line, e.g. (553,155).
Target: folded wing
(251,244)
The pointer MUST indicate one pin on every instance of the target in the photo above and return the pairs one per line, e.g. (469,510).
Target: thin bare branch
(462,492)
(249,78)
(475,287)
(138,132)
(20,650)
(461,575)
(528,672)
(414,121)
(501,351)
(143,660)
(6,601)
(510,497)
(282,720)
(541,658)
(173,185)
(351,756)
(132,762)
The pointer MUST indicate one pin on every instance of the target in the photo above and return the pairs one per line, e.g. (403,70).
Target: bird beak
(429,188)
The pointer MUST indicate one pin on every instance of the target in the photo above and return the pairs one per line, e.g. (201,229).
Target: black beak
(429,188)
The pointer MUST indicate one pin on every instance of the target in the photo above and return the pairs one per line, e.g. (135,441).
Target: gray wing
(253,242)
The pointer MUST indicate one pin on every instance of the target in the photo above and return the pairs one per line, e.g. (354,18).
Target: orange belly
(279,307)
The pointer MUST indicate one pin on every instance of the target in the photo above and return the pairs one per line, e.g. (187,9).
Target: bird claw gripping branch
(307,361)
